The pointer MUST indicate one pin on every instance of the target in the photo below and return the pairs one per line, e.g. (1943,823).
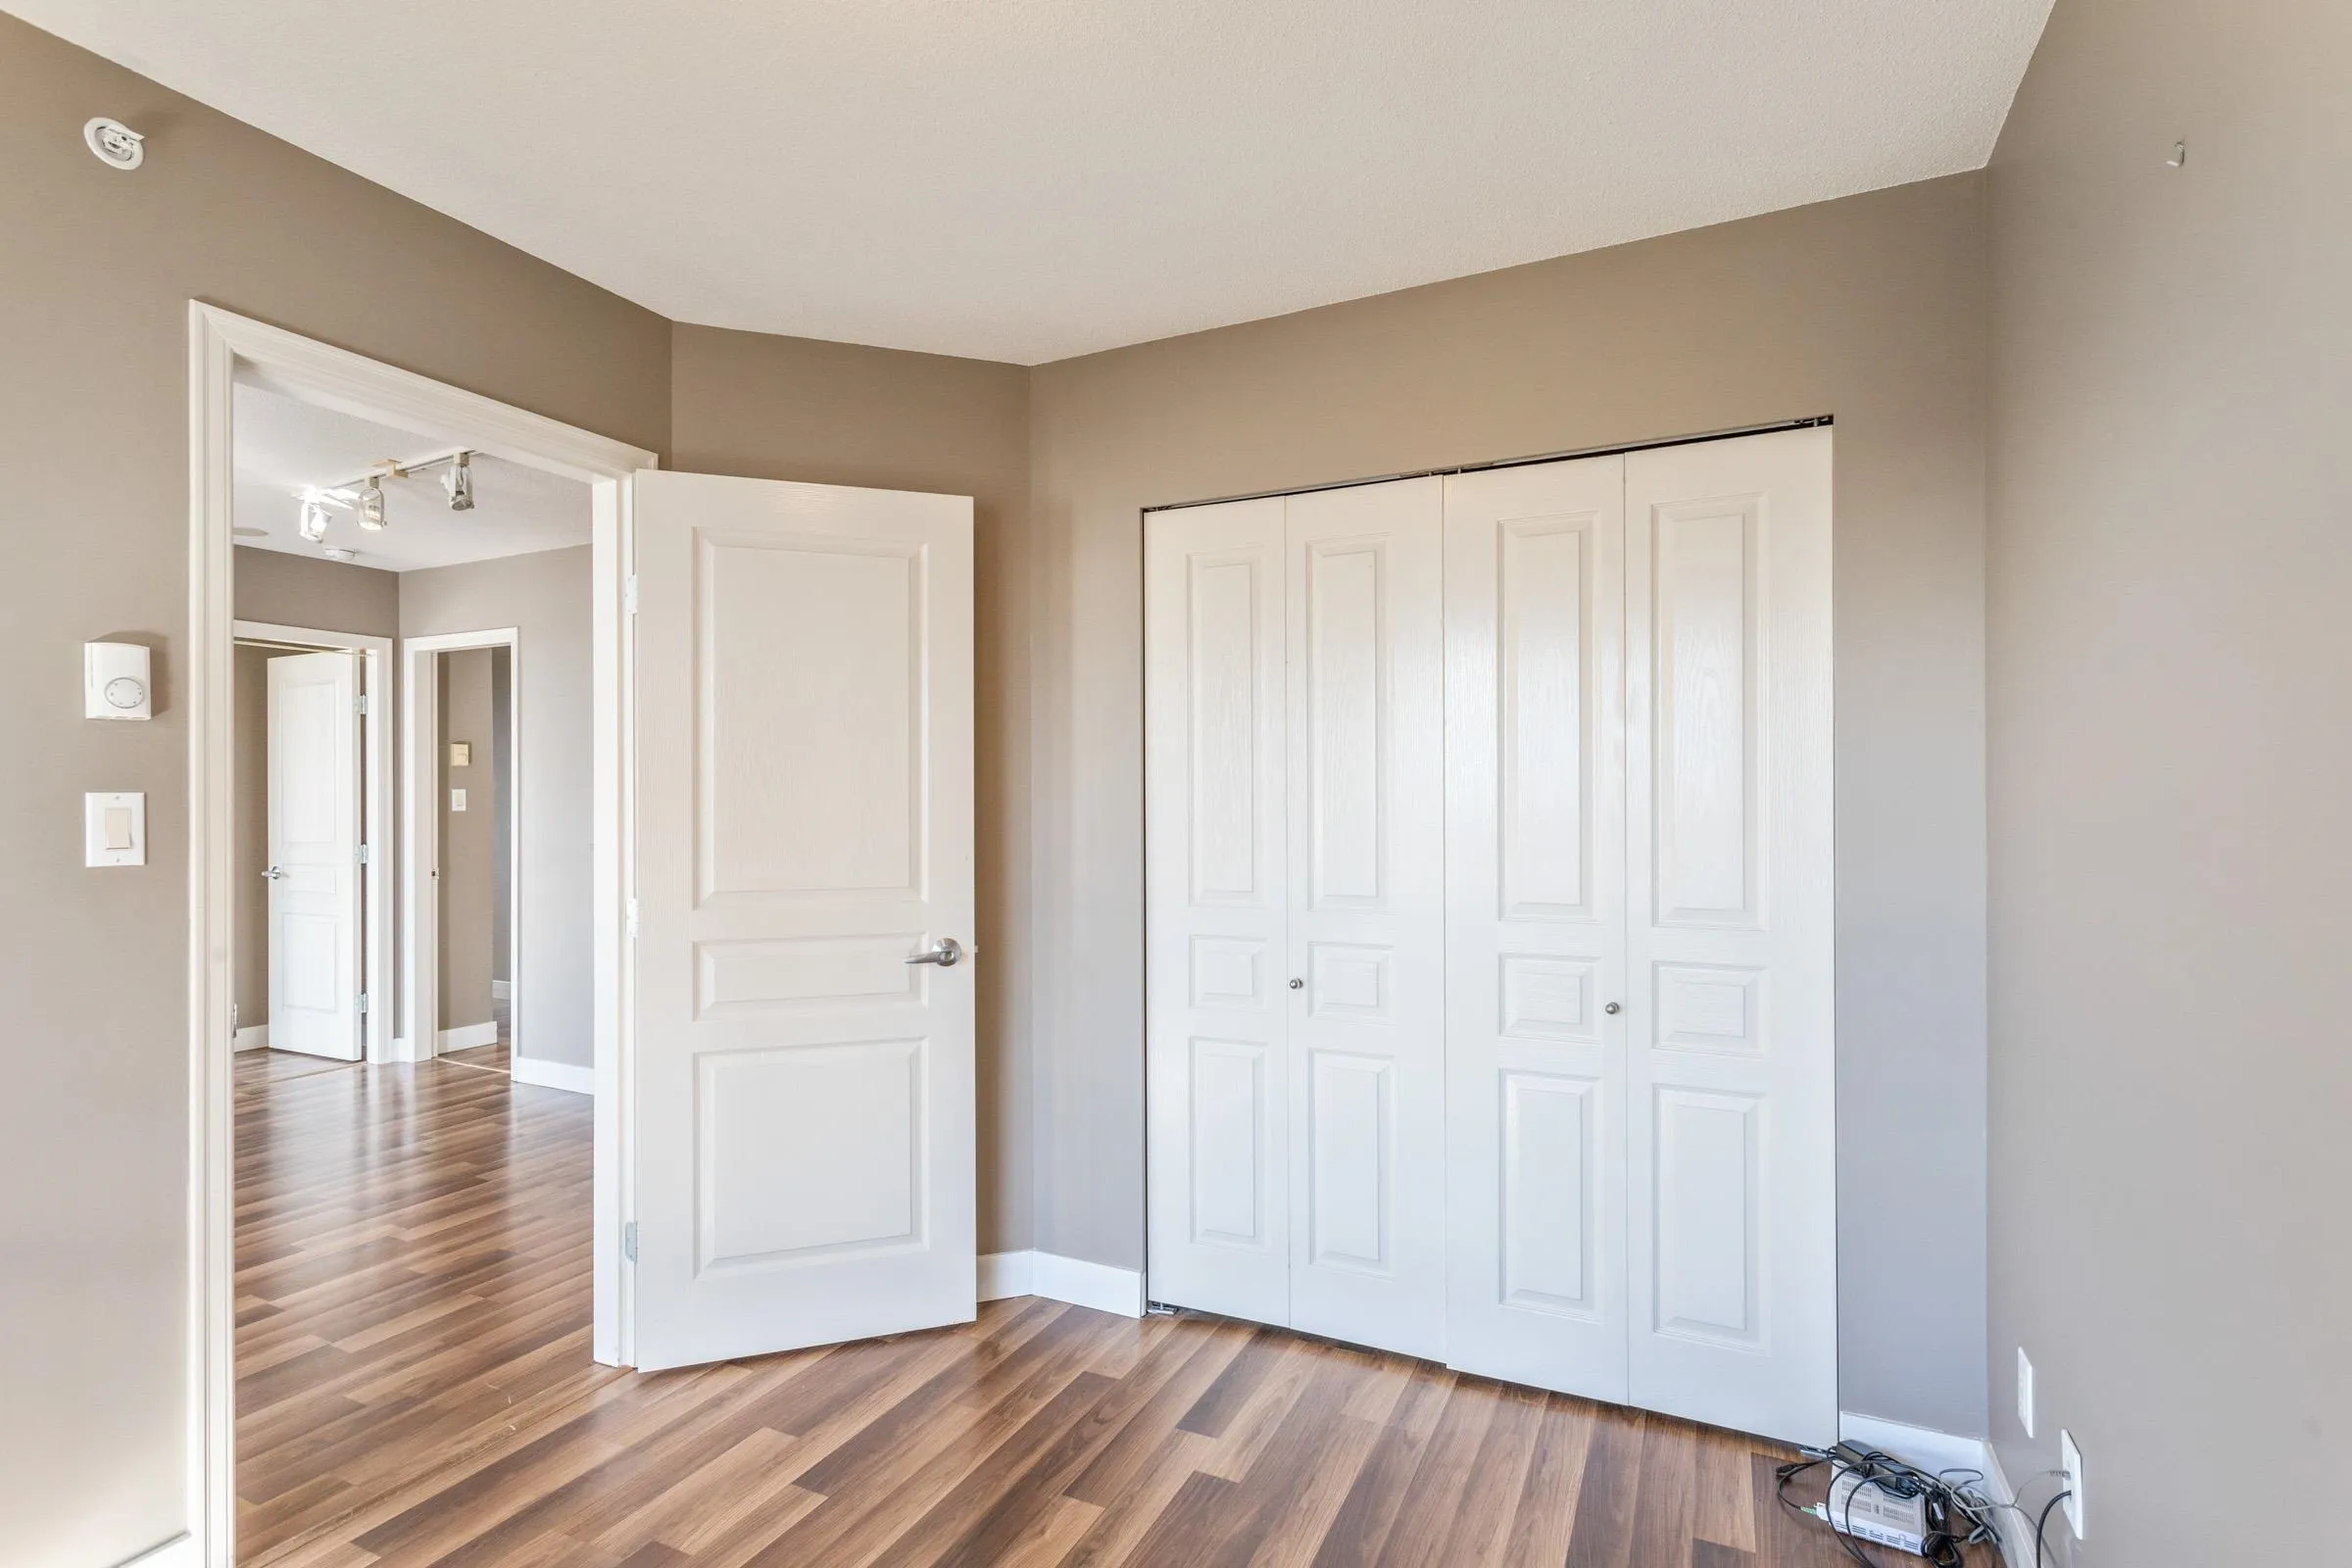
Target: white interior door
(1217,909)
(1730,1013)
(803,1115)
(1294,917)
(1534,875)
(315,927)
(1366,985)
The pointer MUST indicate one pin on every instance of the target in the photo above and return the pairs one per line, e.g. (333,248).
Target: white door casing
(1731,943)
(804,1095)
(315,925)
(1366,847)
(1216,870)
(1535,873)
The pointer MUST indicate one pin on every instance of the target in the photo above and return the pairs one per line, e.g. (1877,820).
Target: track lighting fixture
(314,505)
(457,481)
(371,504)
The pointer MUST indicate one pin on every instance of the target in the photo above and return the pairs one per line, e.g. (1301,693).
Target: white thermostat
(115,681)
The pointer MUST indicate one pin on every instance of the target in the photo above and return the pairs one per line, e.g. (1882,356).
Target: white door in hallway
(802,1093)
(1731,936)
(1296,1027)
(315,925)
(1534,875)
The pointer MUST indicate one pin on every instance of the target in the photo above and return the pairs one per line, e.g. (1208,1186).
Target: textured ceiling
(283,445)
(1028,179)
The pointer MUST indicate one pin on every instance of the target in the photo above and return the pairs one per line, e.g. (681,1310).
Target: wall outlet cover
(2025,1392)
(2070,1460)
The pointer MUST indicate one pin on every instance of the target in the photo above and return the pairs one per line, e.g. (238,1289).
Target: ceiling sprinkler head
(338,552)
(457,481)
(116,145)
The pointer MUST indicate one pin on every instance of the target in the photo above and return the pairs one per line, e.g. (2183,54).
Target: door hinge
(363,1002)
(632,917)
(628,594)
(363,860)
(628,1241)
(361,705)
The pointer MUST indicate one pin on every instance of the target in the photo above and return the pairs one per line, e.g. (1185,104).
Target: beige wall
(545,596)
(96,272)
(280,589)
(1869,308)
(2171,565)
(776,408)
(468,882)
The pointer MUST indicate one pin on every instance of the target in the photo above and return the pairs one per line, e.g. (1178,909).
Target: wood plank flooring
(413,1388)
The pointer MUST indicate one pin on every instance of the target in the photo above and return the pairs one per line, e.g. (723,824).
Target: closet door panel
(1535,906)
(1733,1204)
(1217,909)
(1366,944)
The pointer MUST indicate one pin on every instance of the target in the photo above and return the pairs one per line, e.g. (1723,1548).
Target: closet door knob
(1612,1010)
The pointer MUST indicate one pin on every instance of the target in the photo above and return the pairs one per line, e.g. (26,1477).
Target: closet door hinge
(361,705)
(628,1241)
(628,594)
(363,1004)
(363,859)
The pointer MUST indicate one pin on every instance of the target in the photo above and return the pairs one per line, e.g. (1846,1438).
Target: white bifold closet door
(1642,1203)
(1295,853)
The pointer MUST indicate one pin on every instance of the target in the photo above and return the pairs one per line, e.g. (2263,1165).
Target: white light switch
(456,799)
(114,829)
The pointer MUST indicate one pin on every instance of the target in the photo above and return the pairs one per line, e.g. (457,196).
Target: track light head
(314,519)
(457,481)
(371,504)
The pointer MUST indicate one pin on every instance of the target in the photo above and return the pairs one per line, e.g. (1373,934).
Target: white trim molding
(1937,1451)
(564,1075)
(252,1037)
(225,348)
(469,1036)
(1062,1279)
(180,1552)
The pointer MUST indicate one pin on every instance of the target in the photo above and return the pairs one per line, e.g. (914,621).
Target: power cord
(2044,1518)
(1959,1512)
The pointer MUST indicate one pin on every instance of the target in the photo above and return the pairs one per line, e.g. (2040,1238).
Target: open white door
(801,1111)
(314,920)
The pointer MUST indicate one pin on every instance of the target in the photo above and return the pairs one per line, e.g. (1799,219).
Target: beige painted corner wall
(2171,567)
(96,272)
(469,881)
(546,598)
(279,589)
(777,407)
(1871,309)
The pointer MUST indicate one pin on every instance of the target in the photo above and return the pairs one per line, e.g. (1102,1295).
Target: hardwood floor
(413,1388)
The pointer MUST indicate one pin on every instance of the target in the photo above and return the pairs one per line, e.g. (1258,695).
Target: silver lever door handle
(946,955)
(276,873)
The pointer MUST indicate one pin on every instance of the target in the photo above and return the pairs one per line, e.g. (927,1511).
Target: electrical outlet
(2025,1392)
(2070,1461)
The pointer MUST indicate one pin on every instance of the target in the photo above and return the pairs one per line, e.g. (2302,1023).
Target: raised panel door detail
(1541,665)
(1349,980)
(796,639)
(310,811)
(1546,1188)
(1228,973)
(776,974)
(804,1151)
(1228,1127)
(1223,654)
(312,954)
(1547,998)
(1710,1007)
(1346,718)
(1707,1249)
(1705,619)
(1351,1130)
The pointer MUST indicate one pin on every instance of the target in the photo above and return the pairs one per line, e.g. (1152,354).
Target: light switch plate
(2070,1461)
(114,829)
(456,799)
(2025,1392)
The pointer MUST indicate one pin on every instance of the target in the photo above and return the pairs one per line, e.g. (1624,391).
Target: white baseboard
(180,1552)
(252,1037)
(502,991)
(467,1036)
(553,1074)
(2016,1532)
(1062,1279)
